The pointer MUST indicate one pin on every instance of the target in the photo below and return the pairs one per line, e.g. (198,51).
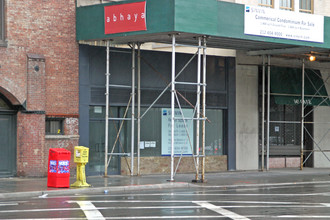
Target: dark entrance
(7,139)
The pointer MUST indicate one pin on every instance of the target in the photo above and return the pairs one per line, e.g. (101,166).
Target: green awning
(286,86)
(222,21)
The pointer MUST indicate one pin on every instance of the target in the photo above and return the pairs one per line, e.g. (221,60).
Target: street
(295,200)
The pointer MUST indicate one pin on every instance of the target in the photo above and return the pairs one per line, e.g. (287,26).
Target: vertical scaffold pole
(263,116)
(172,107)
(268,111)
(107,74)
(133,109)
(198,109)
(204,109)
(139,108)
(302,114)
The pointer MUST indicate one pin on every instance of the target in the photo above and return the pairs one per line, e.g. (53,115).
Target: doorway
(7,139)
(97,140)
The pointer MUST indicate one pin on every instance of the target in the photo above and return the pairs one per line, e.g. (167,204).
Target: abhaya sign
(125,18)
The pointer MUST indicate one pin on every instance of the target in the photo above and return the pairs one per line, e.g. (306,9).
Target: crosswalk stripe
(222,211)
(90,210)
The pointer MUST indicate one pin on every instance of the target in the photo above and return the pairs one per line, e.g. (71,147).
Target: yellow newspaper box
(80,158)
(81,154)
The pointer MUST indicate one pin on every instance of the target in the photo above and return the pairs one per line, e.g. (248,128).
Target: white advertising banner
(181,141)
(269,22)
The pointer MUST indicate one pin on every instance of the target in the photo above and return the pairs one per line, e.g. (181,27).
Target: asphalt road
(305,200)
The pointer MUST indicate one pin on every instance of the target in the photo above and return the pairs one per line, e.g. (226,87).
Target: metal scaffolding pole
(302,114)
(198,105)
(133,109)
(204,109)
(139,108)
(268,111)
(263,116)
(107,74)
(172,107)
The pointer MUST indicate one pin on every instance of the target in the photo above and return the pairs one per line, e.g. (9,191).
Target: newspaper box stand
(81,158)
(58,167)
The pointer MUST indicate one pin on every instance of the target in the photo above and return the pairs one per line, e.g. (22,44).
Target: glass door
(97,140)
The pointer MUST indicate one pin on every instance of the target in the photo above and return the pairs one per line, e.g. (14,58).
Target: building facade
(38,84)
(52,86)
(241,123)
(285,136)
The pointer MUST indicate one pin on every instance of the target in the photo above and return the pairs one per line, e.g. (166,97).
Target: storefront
(233,114)
(154,124)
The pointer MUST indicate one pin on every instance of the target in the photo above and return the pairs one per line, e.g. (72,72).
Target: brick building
(38,83)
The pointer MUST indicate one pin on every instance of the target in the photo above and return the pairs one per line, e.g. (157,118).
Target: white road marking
(8,203)
(303,216)
(43,196)
(90,210)
(265,184)
(221,211)
(210,201)
(101,208)
(150,217)
(196,217)
(161,207)
(213,194)
(268,186)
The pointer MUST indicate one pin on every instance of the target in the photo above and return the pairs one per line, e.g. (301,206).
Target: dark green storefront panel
(196,16)
(288,81)
(213,18)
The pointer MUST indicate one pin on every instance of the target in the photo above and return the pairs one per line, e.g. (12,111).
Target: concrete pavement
(33,187)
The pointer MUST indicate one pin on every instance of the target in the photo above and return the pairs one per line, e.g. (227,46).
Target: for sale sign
(125,18)
(273,23)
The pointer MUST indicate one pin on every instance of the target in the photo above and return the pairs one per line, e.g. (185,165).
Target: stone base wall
(284,162)
(162,165)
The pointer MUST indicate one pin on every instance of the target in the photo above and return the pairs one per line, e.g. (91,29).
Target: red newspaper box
(59,167)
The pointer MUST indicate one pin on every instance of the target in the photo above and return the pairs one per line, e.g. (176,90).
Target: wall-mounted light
(312,58)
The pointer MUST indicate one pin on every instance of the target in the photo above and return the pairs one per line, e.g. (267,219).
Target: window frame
(266,5)
(288,8)
(309,11)
(48,130)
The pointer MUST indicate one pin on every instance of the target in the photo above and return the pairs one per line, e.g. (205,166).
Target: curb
(73,191)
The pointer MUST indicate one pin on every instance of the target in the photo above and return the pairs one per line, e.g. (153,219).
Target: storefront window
(152,128)
(214,132)
(152,133)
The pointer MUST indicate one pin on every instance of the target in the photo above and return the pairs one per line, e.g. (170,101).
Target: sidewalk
(34,187)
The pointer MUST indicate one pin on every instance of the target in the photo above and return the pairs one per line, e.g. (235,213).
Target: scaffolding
(199,110)
(266,96)
(198,113)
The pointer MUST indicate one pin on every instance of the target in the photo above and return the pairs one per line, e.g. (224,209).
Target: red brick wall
(36,89)
(31,142)
(46,28)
